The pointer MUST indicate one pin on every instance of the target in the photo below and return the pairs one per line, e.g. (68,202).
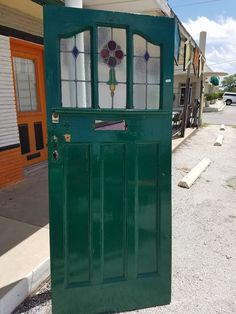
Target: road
(227,116)
(204,232)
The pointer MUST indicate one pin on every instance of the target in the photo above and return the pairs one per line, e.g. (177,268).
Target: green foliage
(211,96)
(229,83)
(208,97)
(220,95)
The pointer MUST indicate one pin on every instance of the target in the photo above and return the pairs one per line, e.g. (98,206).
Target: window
(26,87)
(111,59)
(75,70)
(182,94)
(146,76)
(112,67)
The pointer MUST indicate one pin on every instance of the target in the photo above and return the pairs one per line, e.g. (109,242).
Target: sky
(218,19)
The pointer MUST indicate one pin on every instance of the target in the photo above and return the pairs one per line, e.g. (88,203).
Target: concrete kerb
(188,180)
(24,288)
(219,140)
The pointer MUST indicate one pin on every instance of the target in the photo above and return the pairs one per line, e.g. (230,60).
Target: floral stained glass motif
(112,56)
(146,75)
(112,67)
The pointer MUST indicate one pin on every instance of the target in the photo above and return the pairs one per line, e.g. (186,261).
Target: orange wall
(11,168)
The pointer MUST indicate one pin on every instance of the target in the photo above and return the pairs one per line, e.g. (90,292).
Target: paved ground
(204,232)
(226,116)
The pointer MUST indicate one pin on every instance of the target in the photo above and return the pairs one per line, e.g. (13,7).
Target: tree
(229,83)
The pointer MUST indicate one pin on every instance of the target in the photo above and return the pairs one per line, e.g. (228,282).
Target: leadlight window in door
(146,74)
(112,67)
(26,85)
(75,70)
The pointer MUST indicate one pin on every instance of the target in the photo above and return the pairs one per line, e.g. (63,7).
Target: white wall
(8,122)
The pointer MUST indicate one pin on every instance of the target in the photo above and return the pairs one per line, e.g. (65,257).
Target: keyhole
(55,155)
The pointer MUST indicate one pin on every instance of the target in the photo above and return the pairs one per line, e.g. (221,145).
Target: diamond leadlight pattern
(75,52)
(146,56)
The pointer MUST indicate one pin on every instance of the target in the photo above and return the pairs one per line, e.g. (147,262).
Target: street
(204,232)
(226,116)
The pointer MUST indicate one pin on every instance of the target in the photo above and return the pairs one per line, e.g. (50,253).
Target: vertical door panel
(77,214)
(147,208)
(113,200)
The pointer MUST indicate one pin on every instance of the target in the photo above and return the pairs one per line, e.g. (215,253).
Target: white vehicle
(229,98)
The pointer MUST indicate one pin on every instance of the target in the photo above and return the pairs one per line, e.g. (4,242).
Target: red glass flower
(112,54)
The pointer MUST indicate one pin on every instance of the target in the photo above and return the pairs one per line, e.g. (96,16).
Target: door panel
(28,68)
(109,159)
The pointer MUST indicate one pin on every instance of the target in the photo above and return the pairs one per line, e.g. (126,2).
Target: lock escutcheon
(55,155)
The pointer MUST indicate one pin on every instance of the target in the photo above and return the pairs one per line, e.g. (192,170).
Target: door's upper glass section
(111,59)
(146,74)
(75,70)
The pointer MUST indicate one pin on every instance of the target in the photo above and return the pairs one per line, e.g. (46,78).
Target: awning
(117,5)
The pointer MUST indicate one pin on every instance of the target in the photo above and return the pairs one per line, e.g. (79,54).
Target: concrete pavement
(218,106)
(227,116)
(204,232)
(24,241)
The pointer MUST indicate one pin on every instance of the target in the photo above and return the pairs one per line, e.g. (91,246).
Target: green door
(109,101)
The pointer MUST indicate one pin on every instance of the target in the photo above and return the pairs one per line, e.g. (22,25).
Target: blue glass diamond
(75,52)
(146,56)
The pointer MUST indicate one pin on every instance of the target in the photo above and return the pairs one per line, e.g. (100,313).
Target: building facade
(23,139)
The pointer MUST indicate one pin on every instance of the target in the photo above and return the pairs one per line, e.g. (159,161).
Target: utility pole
(202,46)
(186,98)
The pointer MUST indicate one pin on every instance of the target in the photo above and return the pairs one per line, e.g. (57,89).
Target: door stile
(129,68)
(96,214)
(94,66)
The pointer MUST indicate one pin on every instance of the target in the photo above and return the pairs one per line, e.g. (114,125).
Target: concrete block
(219,140)
(222,127)
(192,176)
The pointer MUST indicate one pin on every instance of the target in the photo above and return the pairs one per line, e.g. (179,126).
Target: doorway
(28,71)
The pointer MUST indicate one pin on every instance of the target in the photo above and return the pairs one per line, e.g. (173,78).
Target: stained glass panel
(67,66)
(120,97)
(104,96)
(83,75)
(84,90)
(76,70)
(153,50)
(153,69)
(146,74)
(68,94)
(153,96)
(112,67)
(139,70)
(67,44)
(140,96)
(139,46)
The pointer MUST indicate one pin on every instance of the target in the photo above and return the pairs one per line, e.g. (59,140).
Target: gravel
(39,302)
(204,232)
